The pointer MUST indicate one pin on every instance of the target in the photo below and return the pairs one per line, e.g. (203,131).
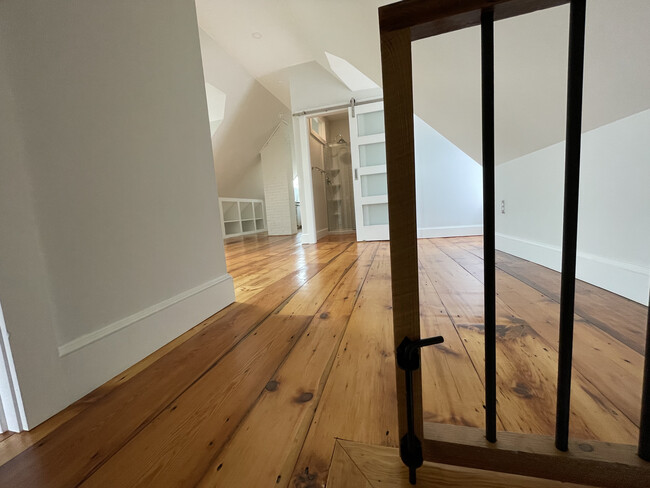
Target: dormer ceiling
(270,38)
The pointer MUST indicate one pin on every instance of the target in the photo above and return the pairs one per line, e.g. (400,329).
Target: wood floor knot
(304,397)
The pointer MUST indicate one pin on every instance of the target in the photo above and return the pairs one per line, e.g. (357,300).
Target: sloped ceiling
(531,60)
(250,116)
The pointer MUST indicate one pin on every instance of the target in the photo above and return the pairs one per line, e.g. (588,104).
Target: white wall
(251,115)
(449,193)
(111,244)
(614,223)
(278,183)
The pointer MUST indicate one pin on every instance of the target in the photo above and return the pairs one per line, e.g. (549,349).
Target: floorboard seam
(333,360)
(352,461)
(579,311)
(302,332)
(542,339)
(453,322)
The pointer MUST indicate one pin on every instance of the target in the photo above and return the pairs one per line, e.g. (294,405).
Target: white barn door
(368,148)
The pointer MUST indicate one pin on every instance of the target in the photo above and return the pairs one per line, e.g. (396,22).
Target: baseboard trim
(454,231)
(86,339)
(98,357)
(321,233)
(626,279)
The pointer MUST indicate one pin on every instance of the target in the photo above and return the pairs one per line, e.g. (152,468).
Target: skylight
(216,106)
(354,79)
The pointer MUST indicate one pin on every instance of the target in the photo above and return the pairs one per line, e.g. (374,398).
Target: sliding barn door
(368,148)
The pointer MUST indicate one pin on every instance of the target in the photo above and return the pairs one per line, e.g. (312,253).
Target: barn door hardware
(408,359)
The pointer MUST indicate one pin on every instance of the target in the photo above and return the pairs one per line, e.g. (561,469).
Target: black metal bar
(489,282)
(570,219)
(644,434)
(412,444)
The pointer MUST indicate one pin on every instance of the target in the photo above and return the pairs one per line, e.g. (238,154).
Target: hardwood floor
(357,465)
(257,395)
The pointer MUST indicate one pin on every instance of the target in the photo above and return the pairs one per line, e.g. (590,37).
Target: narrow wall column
(278,183)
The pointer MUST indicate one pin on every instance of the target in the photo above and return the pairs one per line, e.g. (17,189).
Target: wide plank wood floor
(257,394)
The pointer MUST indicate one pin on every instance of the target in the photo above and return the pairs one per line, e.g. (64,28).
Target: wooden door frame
(594,463)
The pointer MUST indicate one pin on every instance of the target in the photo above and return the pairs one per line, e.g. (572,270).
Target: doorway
(331,173)
(344,173)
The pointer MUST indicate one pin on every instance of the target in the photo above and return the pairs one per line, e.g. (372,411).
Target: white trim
(372,138)
(282,121)
(373,200)
(453,231)
(12,411)
(307,212)
(93,365)
(626,279)
(316,134)
(97,335)
(371,170)
(322,233)
(374,233)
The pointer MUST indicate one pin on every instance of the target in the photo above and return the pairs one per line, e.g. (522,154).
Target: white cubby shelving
(240,216)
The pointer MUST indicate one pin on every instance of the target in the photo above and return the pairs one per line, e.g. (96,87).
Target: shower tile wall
(338,164)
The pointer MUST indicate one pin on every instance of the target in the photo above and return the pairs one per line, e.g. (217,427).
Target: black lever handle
(408,359)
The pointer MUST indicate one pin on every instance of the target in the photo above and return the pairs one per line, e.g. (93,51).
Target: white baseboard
(94,358)
(457,231)
(322,233)
(626,279)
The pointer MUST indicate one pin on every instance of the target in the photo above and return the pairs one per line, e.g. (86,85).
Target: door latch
(408,359)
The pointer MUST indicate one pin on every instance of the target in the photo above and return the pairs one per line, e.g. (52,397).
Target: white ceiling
(531,59)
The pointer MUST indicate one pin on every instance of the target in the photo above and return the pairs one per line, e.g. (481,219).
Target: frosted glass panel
(373,185)
(370,123)
(376,214)
(372,154)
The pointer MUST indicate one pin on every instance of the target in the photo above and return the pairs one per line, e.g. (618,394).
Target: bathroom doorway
(332,174)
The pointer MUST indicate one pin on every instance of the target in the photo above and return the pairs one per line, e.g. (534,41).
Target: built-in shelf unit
(240,216)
